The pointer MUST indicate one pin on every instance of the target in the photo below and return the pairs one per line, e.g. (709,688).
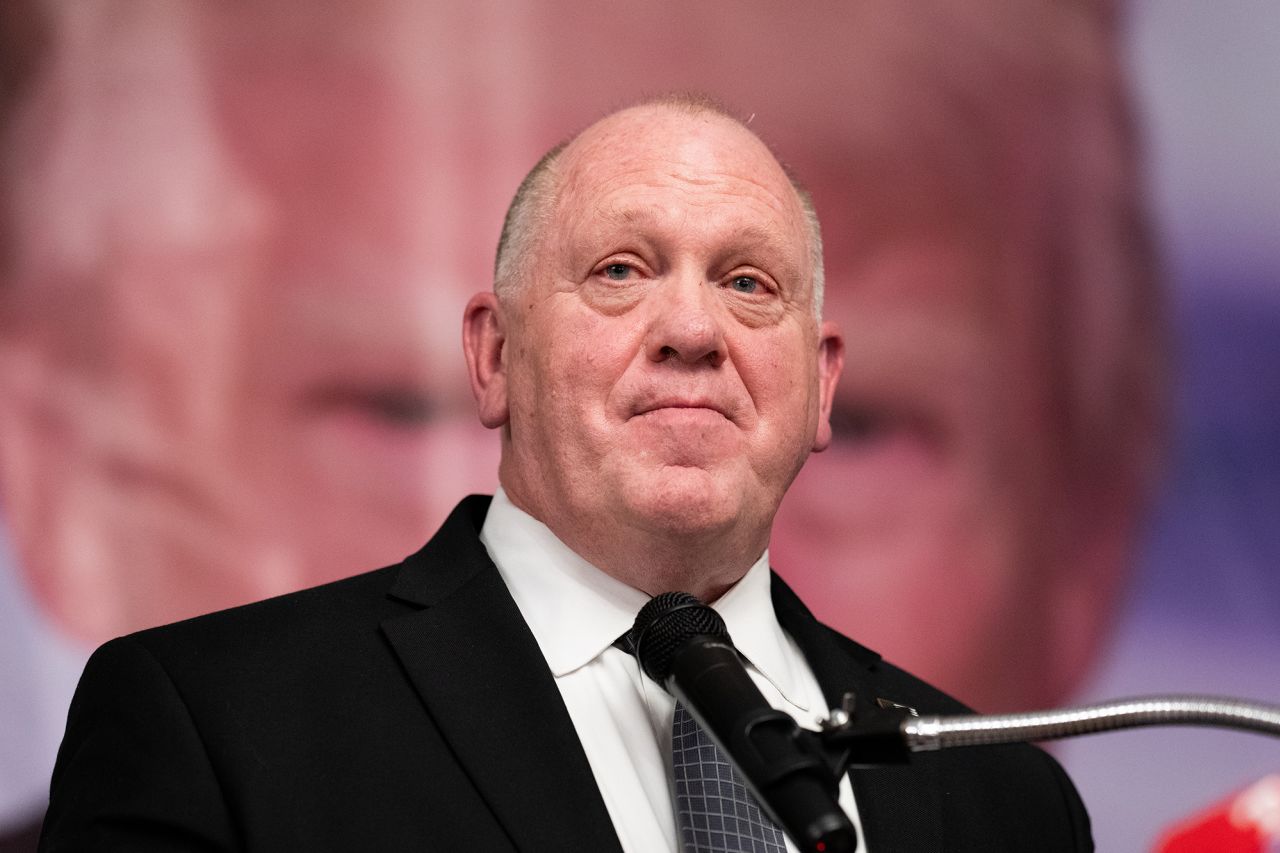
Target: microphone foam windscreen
(665,624)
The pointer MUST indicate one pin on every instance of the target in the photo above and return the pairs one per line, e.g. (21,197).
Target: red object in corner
(1247,822)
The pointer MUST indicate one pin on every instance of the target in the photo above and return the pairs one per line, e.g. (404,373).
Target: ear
(483,339)
(830,365)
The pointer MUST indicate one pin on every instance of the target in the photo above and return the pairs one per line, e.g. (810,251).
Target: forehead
(268,190)
(219,149)
(639,166)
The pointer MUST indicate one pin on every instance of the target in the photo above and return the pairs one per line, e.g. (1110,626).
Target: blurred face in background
(229,352)
(997,417)
(927,531)
(229,356)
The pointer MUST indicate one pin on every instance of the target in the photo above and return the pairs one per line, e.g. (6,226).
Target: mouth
(686,407)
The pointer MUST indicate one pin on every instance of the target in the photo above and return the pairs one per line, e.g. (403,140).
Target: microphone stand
(871,736)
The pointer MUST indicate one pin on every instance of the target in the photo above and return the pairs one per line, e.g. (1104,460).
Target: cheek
(363,495)
(780,376)
(876,505)
(900,553)
(563,367)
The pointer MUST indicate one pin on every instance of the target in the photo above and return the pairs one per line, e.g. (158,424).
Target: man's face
(665,370)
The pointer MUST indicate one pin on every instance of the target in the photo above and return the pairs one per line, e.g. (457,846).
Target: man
(654,357)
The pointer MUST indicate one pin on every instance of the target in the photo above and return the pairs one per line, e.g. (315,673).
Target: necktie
(715,812)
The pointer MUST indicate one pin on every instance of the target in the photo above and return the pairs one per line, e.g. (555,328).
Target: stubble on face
(663,370)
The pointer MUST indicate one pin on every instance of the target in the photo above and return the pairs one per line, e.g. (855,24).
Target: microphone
(683,645)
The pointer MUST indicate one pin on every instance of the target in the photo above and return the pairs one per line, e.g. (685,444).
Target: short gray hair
(531,207)
(526,217)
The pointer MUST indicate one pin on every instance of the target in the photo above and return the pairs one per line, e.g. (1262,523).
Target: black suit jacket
(410,709)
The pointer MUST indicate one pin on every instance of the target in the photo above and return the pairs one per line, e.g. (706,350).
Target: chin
(688,501)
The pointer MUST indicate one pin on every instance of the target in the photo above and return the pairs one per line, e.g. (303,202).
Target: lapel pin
(889,703)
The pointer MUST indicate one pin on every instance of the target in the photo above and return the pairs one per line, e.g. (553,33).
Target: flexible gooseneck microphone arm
(870,737)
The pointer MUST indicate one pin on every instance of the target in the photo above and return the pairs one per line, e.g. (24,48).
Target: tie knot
(626,643)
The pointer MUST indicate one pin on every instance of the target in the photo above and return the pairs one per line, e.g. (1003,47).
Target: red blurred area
(1246,822)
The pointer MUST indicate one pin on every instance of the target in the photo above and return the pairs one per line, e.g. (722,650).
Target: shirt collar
(576,610)
(747,610)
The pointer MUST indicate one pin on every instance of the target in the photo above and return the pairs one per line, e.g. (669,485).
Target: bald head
(536,198)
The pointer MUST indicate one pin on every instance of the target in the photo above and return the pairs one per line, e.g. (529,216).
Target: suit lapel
(899,806)
(483,680)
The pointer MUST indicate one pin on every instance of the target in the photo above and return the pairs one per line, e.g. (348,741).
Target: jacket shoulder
(1009,797)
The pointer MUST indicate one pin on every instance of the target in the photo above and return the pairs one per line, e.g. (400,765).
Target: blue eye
(617,272)
(745,284)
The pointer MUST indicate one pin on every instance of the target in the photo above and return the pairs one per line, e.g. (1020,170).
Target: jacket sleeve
(1082,829)
(132,772)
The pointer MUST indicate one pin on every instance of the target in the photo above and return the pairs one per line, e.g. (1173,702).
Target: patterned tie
(714,810)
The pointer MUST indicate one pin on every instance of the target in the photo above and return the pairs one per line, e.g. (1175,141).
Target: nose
(686,325)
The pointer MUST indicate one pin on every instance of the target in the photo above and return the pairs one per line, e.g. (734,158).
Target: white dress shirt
(623,719)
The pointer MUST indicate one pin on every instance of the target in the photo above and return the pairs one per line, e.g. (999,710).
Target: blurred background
(236,239)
